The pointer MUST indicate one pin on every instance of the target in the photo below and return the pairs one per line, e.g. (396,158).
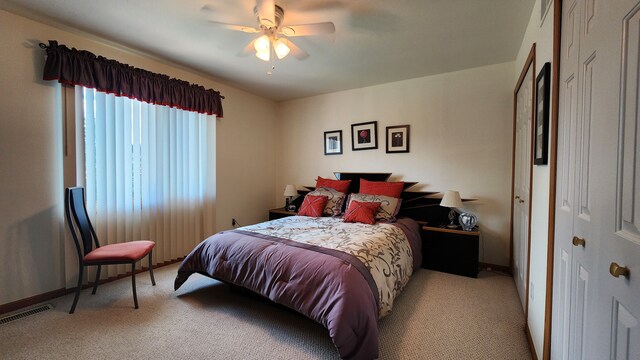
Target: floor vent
(23,314)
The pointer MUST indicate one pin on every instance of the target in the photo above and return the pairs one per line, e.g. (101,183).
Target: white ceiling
(376,41)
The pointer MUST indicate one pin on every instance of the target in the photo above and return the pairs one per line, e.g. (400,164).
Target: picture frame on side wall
(541,130)
(398,139)
(364,136)
(333,142)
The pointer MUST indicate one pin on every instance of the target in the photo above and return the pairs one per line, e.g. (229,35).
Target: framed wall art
(364,136)
(398,139)
(333,142)
(541,130)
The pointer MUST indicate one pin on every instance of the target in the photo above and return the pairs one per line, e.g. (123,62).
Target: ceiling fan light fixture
(263,47)
(281,48)
(263,55)
(262,44)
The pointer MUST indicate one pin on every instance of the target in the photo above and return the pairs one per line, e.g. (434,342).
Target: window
(148,172)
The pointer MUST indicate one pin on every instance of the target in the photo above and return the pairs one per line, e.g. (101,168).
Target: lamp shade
(281,48)
(290,190)
(263,47)
(451,199)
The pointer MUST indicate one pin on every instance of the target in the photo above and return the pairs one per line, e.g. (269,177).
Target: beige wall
(542,35)
(461,131)
(31,185)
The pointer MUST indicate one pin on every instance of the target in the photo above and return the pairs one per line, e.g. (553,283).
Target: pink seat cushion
(129,251)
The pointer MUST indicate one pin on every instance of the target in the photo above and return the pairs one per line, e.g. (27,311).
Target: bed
(342,275)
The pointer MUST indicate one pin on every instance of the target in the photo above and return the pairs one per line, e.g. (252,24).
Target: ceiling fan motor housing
(279,16)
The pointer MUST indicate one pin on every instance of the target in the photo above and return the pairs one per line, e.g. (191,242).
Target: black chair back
(75,204)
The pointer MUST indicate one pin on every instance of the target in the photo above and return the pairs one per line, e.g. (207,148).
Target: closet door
(565,266)
(522,183)
(616,158)
(595,315)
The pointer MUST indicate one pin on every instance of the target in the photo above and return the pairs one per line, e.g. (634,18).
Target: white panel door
(522,184)
(565,282)
(619,161)
(598,199)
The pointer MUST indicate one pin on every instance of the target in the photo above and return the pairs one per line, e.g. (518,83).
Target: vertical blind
(145,171)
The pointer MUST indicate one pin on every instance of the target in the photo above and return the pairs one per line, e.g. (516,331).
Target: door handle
(517,197)
(617,270)
(578,241)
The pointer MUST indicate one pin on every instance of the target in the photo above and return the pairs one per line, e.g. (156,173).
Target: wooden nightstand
(280,213)
(450,250)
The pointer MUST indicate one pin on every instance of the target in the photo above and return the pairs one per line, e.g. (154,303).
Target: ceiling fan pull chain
(271,66)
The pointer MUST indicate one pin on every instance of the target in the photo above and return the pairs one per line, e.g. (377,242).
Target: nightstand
(280,213)
(452,251)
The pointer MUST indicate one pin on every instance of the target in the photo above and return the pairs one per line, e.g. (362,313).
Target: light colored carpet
(438,316)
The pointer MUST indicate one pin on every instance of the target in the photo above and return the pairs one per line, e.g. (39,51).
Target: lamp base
(452,217)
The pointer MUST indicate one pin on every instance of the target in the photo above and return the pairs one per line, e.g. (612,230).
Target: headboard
(421,206)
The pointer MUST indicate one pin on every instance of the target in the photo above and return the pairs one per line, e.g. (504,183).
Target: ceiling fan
(274,35)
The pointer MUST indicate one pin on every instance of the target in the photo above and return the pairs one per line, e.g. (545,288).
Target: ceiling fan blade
(308,30)
(243,28)
(266,12)
(296,51)
(248,50)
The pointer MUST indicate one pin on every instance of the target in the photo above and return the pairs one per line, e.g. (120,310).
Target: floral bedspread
(382,248)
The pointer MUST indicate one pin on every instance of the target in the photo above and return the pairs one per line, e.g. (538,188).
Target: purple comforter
(328,286)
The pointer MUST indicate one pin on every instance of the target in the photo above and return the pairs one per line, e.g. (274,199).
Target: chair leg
(153,281)
(78,288)
(133,284)
(95,285)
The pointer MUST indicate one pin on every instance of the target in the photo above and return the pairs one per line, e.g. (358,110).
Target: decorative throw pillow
(313,205)
(362,212)
(392,189)
(339,185)
(334,202)
(389,206)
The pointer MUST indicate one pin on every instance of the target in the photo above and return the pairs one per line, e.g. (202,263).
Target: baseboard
(534,355)
(30,301)
(494,267)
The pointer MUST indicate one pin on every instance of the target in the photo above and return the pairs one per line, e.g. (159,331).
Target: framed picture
(333,142)
(364,136)
(398,139)
(541,139)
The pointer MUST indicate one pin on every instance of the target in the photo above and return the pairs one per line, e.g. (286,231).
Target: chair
(122,253)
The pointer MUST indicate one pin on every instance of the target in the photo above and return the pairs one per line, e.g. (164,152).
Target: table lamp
(451,199)
(289,192)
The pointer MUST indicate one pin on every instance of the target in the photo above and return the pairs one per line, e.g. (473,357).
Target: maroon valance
(79,67)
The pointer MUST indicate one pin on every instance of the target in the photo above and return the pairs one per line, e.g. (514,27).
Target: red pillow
(392,189)
(362,212)
(313,205)
(338,185)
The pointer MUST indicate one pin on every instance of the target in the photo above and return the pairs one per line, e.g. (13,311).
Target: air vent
(23,314)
